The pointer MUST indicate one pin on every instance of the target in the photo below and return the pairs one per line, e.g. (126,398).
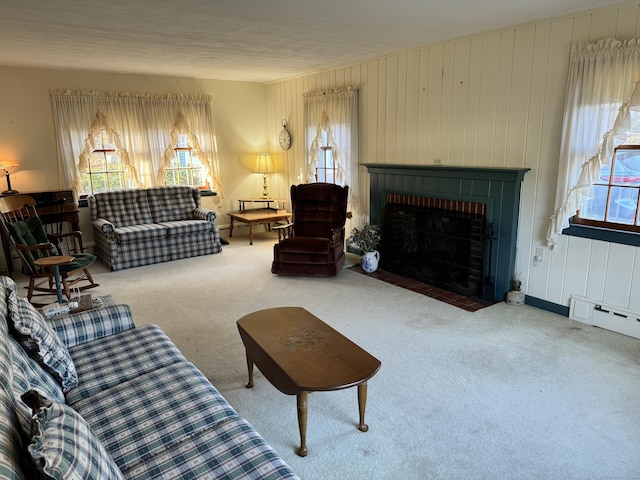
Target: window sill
(603,234)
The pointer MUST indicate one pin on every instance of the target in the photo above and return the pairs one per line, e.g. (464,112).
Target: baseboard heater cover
(605,316)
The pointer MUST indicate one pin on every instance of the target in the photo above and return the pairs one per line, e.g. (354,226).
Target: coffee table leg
(250,367)
(250,234)
(302,422)
(362,404)
(231,228)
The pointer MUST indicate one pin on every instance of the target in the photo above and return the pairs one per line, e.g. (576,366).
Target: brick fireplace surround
(497,190)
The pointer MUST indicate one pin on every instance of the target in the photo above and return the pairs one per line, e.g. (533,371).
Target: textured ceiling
(249,40)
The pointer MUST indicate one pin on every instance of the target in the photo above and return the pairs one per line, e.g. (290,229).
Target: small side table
(55,261)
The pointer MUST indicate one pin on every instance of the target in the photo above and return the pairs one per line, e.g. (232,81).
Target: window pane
(622,206)
(594,210)
(627,167)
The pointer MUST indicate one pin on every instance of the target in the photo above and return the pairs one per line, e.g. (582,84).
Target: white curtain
(602,97)
(334,112)
(143,123)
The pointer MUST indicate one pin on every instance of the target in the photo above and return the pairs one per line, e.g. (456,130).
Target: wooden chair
(313,244)
(23,228)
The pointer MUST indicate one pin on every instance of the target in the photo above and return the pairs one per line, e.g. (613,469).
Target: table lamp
(6,165)
(264,165)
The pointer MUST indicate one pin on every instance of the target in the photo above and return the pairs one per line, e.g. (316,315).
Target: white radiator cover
(605,316)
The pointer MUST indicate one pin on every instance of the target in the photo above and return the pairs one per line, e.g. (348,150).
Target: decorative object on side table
(515,296)
(367,238)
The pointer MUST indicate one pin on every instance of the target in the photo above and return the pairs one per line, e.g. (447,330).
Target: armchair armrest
(204,214)
(337,236)
(56,239)
(89,325)
(284,231)
(106,227)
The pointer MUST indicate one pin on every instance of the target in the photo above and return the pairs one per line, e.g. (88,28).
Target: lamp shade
(264,164)
(5,164)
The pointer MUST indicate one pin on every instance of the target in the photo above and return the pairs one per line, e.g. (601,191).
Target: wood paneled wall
(490,100)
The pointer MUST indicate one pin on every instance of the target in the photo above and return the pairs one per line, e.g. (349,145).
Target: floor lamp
(6,165)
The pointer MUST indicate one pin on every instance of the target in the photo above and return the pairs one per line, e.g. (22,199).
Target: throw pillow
(40,341)
(63,446)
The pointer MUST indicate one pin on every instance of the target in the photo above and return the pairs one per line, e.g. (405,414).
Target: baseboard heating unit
(605,316)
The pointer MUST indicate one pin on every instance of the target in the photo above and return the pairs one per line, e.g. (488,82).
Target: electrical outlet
(437,161)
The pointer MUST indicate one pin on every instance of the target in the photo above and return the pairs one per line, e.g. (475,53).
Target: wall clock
(285,136)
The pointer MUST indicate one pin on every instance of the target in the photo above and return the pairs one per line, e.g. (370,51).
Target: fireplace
(435,241)
(452,227)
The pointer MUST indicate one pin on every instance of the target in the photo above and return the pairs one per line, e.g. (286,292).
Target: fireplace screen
(437,246)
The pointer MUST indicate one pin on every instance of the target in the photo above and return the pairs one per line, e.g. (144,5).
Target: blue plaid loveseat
(116,401)
(138,226)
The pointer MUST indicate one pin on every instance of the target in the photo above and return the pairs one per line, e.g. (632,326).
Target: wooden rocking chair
(23,228)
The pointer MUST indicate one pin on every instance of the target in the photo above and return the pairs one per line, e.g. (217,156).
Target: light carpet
(503,393)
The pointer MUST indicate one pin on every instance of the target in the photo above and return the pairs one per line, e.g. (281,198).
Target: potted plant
(367,238)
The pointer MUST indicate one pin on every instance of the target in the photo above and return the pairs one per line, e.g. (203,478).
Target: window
(185,167)
(326,169)
(105,169)
(615,202)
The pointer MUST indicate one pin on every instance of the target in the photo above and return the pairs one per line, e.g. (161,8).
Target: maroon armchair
(313,244)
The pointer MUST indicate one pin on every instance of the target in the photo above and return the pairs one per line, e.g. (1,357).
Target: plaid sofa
(135,227)
(133,406)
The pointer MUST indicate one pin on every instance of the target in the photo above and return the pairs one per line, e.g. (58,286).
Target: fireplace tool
(488,287)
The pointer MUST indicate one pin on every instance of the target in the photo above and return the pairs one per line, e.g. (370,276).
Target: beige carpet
(503,393)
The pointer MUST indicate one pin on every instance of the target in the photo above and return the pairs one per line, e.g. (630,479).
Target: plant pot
(370,261)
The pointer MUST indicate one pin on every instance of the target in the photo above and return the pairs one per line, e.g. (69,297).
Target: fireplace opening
(435,241)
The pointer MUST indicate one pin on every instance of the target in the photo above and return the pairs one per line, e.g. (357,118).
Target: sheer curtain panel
(602,98)
(331,119)
(143,123)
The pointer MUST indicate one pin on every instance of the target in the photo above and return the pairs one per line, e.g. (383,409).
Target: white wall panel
(495,99)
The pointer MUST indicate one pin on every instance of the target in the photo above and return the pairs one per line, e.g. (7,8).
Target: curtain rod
(97,93)
(331,91)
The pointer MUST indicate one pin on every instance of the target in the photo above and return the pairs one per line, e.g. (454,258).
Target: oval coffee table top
(296,351)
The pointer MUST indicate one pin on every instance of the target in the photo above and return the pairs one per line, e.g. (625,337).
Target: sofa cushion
(120,357)
(122,207)
(40,341)
(29,375)
(135,233)
(231,449)
(172,202)
(146,415)
(64,447)
(186,227)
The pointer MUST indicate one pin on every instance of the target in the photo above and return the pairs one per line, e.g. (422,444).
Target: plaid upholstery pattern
(64,447)
(29,375)
(186,227)
(148,414)
(173,202)
(119,245)
(136,233)
(137,352)
(92,324)
(11,445)
(230,450)
(40,341)
(139,407)
(121,207)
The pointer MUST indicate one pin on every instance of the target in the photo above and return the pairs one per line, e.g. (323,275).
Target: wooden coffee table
(299,353)
(256,216)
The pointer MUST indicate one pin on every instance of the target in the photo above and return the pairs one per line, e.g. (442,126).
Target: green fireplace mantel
(499,188)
